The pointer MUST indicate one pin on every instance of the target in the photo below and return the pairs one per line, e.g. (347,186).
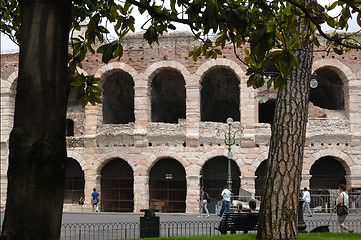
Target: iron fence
(108,231)
(325,203)
(333,225)
(99,231)
(320,203)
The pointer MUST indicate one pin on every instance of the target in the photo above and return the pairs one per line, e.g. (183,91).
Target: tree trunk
(37,142)
(280,197)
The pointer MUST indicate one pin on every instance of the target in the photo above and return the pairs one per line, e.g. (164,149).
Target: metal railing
(333,225)
(320,203)
(132,230)
(89,231)
(325,203)
(102,231)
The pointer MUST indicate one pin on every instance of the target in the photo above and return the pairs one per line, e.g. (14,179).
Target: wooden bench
(238,222)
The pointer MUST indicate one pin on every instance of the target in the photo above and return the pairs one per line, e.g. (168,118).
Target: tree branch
(157,14)
(352,5)
(311,18)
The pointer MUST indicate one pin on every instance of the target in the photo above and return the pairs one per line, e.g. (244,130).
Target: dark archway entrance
(118,98)
(327,173)
(220,96)
(260,177)
(329,93)
(167,186)
(69,128)
(266,111)
(117,192)
(168,97)
(214,176)
(74,182)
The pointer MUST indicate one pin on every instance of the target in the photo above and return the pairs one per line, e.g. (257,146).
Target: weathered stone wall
(192,142)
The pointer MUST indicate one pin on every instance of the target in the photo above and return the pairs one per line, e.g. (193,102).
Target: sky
(8,46)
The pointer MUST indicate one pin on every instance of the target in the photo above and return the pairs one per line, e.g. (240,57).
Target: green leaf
(333,5)
(250,81)
(219,52)
(118,51)
(107,51)
(338,51)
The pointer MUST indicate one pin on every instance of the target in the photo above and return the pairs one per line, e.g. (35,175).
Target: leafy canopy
(272,31)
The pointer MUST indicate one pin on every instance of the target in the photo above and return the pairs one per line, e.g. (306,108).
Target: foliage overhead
(268,27)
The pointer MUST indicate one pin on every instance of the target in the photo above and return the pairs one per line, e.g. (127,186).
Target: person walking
(342,200)
(203,203)
(95,200)
(226,201)
(307,198)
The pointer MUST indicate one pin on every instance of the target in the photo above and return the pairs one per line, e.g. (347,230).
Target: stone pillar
(7,115)
(248,184)
(353,181)
(354,112)
(193,191)
(192,115)
(92,180)
(141,193)
(248,116)
(305,181)
(93,118)
(3,170)
(7,119)
(142,114)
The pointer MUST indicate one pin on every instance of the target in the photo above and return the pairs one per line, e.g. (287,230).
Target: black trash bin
(149,224)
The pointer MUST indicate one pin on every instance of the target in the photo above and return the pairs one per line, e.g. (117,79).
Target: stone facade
(191,141)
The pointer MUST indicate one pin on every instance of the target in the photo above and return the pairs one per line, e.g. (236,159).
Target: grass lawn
(301,236)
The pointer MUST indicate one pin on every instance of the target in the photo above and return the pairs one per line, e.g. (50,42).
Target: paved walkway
(111,217)
(107,217)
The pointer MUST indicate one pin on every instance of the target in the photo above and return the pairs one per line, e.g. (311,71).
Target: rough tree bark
(37,142)
(280,197)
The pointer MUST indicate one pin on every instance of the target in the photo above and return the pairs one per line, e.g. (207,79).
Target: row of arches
(219,96)
(326,173)
(168,184)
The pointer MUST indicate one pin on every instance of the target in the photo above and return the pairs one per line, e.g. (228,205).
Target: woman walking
(342,200)
(203,202)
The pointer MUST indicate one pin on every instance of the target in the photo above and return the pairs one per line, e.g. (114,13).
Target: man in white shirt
(307,198)
(226,201)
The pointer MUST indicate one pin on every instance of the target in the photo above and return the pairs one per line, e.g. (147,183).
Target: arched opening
(168,97)
(266,111)
(215,174)
(118,98)
(69,130)
(329,93)
(117,192)
(260,177)
(74,182)
(220,96)
(327,173)
(167,186)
